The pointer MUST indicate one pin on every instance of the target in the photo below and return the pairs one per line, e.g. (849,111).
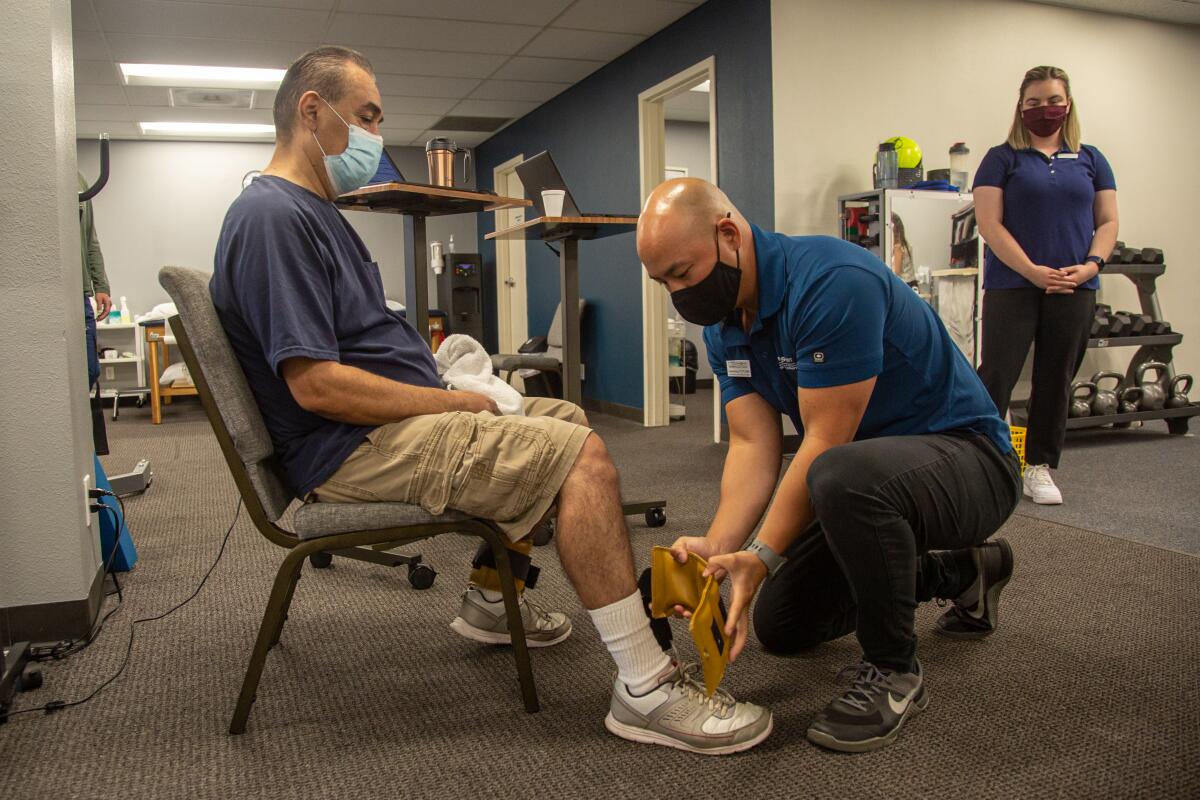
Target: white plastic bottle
(125,315)
(450,244)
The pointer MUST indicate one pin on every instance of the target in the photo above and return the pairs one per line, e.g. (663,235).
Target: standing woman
(902,262)
(1047,207)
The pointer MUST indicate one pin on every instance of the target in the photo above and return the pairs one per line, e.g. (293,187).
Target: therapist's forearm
(747,483)
(1006,248)
(1104,240)
(792,510)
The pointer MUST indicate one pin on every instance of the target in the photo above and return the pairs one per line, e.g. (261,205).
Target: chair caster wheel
(321,560)
(543,533)
(656,518)
(31,680)
(421,575)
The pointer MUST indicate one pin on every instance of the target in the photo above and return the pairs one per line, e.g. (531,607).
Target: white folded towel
(463,364)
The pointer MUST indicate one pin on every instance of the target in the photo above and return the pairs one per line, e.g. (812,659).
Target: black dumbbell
(1119,325)
(1100,324)
(1158,327)
(1128,254)
(1112,257)
(1152,255)
(1138,323)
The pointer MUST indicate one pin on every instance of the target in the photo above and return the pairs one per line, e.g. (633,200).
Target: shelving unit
(676,372)
(1150,348)
(124,376)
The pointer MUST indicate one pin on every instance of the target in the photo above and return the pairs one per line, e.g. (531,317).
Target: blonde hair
(1018,134)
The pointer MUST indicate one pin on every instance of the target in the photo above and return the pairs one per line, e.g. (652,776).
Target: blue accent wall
(592,131)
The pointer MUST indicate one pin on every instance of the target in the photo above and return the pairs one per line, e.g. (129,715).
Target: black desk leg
(416,281)
(568,275)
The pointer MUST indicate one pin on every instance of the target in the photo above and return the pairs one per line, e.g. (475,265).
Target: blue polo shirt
(830,314)
(292,278)
(1048,207)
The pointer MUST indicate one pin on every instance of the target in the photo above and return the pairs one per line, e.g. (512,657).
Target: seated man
(351,397)
(902,452)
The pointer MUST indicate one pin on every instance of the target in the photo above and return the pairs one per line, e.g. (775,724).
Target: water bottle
(450,244)
(958,166)
(887,168)
(125,315)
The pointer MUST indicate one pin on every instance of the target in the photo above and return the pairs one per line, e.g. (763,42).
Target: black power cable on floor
(59,705)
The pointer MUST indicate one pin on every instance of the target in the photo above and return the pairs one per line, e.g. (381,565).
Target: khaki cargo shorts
(502,468)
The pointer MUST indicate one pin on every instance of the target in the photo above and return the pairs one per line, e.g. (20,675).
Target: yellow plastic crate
(1018,442)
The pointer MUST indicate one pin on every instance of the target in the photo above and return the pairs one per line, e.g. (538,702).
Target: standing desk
(568,231)
(420,202)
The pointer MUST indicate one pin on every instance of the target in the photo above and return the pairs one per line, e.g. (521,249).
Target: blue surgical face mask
(358,163)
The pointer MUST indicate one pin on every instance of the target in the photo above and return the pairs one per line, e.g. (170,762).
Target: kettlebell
(1105,401)
(1130,397)
(1179,397)
(1081,404)
(1154,393)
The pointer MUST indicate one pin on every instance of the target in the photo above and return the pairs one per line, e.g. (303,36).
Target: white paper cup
(552,201)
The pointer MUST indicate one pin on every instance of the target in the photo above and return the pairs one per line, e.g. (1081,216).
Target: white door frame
(512,292)
(653,157)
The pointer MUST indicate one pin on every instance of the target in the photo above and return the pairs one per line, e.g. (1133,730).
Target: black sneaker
(976,611)
(870,715)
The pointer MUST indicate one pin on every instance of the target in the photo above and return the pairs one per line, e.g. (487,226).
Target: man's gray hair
(323,71)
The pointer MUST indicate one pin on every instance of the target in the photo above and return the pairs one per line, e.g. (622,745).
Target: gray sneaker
(869,716)
(676,713)
(483,621)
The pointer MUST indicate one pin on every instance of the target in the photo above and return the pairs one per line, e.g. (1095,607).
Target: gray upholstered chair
(546,365)
(356,530)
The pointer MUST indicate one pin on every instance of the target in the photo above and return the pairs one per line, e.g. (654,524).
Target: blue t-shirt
(292,278)
(1048,207)
(830,314)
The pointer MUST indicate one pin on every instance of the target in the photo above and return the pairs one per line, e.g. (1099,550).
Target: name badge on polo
(1067,155)
(738,368)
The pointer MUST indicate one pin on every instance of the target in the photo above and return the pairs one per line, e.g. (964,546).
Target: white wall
(165,201)
(47,552)
(687,146)
(847,76)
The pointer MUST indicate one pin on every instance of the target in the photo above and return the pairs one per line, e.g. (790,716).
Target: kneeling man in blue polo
(904,468)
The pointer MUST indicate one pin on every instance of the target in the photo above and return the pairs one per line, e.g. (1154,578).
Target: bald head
(685,224)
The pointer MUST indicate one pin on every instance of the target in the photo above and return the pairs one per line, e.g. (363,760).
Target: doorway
(512,296)
(677,136)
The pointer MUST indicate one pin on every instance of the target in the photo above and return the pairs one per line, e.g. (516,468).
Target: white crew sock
(625,630)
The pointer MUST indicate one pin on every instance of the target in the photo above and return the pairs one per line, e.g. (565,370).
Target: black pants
(1057,325)
(881,506)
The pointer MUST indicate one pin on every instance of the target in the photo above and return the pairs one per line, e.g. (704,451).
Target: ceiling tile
(433,62)
(89,46)
(523,68)
(118,130)
(96,73)
(415,105)
(493,108)
(562,43)
(395,119)
(166,114)
(526,12)
(87,112)
(99,95)
(82,16)
(209,20)
(518,90)
(401,136)
(264,98)
(313,5)
(469,37)
(645,17)
(418,86)
(148,95)
(208,52)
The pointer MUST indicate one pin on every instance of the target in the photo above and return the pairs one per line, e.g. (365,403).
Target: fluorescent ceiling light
(206,129)
(700,87)
(207,77)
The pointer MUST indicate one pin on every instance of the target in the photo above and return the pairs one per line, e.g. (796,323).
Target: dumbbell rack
(1150,348)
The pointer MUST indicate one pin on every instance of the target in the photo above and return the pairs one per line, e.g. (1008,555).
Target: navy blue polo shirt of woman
(1047,207)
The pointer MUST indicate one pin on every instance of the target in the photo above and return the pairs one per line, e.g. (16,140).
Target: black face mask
(713,299)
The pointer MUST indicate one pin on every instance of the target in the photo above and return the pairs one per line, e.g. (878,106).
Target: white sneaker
(676,713)
(482,620)
(1040,486)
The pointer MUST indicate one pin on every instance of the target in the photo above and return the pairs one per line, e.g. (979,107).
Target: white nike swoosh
(898,708)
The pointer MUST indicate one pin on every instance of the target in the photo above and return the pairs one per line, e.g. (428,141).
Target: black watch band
(1097,260)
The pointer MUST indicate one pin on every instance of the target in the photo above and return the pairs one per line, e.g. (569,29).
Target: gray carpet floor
(1088,690)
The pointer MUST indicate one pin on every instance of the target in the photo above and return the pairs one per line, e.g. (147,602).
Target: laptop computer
(389,172)
(539,173)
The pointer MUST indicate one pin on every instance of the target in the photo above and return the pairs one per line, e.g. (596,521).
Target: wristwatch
(1098,261)
(773,560)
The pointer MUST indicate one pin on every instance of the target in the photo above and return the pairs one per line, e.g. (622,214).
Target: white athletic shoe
(484,621)
(1039,486)
(676,713)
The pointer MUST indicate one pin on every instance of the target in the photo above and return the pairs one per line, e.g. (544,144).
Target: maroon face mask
(1044,120)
